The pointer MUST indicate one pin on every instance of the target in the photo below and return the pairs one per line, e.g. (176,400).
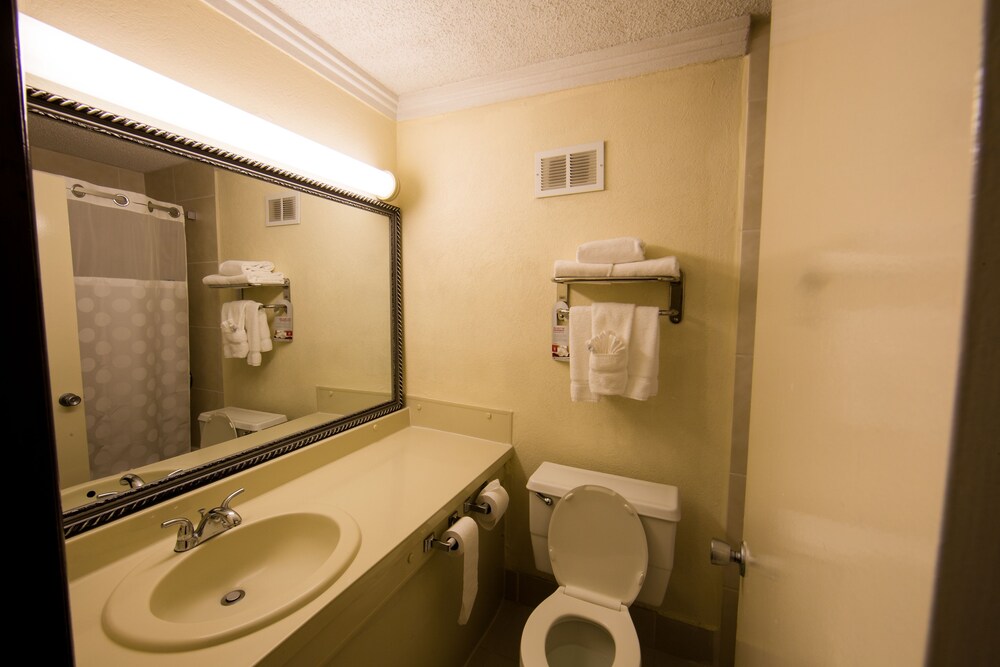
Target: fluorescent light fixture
(60,63)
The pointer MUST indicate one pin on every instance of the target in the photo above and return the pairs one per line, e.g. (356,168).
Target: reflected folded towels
(237,267)
(258,333)
(612,251)
(648,268)
(249,278)
(245,333)
(234,333)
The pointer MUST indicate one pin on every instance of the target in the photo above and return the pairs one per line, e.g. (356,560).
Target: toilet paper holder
(450,544)
(471,506)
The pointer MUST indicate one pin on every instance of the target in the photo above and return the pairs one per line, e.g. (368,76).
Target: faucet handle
(186,527)
(229,498)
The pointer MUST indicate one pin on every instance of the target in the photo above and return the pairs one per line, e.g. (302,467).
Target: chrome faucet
(213,522)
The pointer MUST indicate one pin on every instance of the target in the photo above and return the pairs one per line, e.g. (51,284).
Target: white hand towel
(264,277)
(611,327)
(218,279)
(565,268)
(234,333)
(258,335)
(644,354)
(580,331)
(237,267)
(612,251)
(661,266)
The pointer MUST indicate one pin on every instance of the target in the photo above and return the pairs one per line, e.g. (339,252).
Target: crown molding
(725,39)
(282,32)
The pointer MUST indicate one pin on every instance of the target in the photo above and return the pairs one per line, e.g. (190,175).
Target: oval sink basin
(232,584)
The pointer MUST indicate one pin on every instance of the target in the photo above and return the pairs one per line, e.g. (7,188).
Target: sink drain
(232,597)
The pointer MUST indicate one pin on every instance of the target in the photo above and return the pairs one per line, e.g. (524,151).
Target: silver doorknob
(723,554)
(70,400)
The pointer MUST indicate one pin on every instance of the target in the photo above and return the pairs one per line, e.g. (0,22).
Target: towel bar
(675,311)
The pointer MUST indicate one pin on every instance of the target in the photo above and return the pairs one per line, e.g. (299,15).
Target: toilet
(609,541)
(223,424)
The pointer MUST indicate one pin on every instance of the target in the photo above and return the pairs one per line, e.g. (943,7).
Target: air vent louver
(564,171)
(282,210)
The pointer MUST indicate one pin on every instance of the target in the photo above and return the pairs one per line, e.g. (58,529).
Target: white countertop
(398,488)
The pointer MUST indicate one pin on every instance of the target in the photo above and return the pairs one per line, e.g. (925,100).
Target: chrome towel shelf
(675,285)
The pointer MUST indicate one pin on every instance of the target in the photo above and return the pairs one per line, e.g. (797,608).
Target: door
(59,305)
(868,180)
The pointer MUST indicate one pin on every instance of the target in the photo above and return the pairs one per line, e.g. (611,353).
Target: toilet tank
(658,506)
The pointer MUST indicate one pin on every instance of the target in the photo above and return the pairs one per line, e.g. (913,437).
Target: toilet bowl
(602,537)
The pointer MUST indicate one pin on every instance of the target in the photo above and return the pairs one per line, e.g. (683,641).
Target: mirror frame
(98,513)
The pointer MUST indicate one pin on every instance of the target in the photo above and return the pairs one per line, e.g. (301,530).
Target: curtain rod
(122,200)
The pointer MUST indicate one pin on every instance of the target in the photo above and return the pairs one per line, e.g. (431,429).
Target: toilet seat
(561,606)
(218,428)
(599,556)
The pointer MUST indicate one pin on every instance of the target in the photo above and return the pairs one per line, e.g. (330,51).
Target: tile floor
(499,646)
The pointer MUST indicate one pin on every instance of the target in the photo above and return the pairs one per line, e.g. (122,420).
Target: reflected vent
(282,210)
(564,171)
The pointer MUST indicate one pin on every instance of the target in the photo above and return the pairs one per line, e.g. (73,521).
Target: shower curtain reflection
(130,276)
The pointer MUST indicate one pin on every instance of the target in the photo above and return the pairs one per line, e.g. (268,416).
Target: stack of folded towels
(245,272)
(614,347)
(623,257)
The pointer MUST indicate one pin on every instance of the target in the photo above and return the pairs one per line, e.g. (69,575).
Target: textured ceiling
(421,44)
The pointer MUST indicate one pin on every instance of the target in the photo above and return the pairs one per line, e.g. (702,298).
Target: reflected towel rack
(675,311)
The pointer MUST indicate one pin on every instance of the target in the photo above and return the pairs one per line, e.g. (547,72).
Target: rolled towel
(236,267)
(612,251)
(565,268)
(661,266)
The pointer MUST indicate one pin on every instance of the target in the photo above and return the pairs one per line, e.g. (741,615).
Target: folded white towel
(661,266)
(580,331)
(258,334)
(647,268)
(611,327)
(237,267)
(612,251)
(234,333)
(565,268)
(644,354)
(218,279)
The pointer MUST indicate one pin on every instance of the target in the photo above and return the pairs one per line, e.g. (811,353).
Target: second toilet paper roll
(496,498)
(466,534)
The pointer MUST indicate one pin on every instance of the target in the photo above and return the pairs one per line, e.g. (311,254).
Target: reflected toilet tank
(658,506)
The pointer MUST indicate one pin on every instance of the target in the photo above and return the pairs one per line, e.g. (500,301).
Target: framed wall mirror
(204,312)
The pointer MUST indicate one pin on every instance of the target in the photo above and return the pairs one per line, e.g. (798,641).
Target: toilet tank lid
(247,420)
(658,501)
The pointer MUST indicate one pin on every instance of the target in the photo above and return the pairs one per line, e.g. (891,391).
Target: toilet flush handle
(545,499)
(723,554)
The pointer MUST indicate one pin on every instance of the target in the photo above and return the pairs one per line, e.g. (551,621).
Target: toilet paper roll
(496,498)
(466,534)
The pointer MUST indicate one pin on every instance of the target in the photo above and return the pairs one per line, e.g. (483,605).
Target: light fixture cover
(59,63)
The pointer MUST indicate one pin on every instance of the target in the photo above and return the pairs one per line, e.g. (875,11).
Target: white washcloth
(258,334)
(234,333)
(611,327)
(580,332)
(237,267)
(644,354)
(612,251)
(661,266)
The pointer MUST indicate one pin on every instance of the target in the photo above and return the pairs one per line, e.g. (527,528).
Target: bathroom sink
(233,584)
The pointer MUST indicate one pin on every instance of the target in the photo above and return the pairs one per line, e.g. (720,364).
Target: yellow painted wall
(478,250)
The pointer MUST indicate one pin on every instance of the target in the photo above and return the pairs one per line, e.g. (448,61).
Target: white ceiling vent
(564,171)
(283,210)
